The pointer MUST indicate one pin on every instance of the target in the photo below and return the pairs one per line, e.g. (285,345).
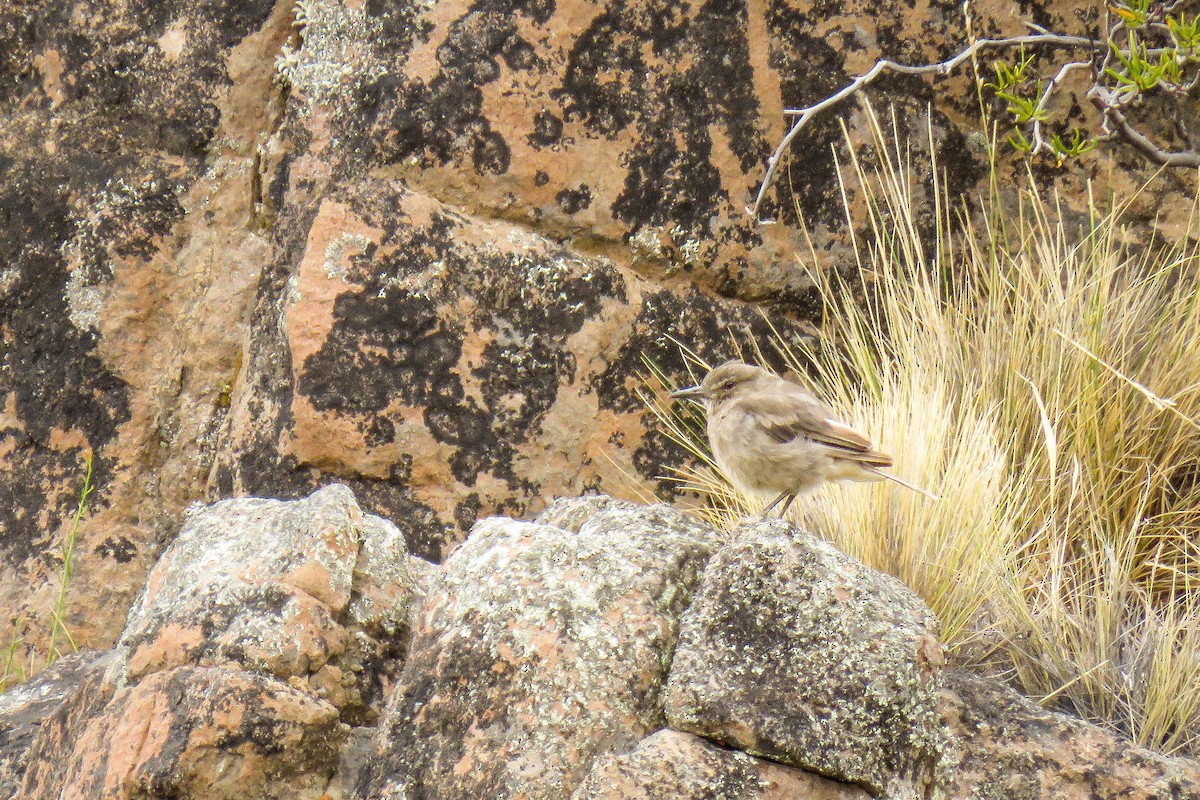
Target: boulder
(48,709)
(670,764)
(796,652)
(538,649)
(196,732)
(310,589)
(1005,747)
(545,659)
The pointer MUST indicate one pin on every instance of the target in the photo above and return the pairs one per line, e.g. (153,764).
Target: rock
(1007,748)
(46,708)
(449,366)
(232,231)
(309,589)
(537,650)
(670,764)
(794,651)
(129,259)
(353,760)
(197,732)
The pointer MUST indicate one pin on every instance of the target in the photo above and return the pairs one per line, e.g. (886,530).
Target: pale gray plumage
(771,435)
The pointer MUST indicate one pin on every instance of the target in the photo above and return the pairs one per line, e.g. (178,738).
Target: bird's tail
(907,485)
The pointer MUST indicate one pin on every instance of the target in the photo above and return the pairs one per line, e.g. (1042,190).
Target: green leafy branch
(1160,53)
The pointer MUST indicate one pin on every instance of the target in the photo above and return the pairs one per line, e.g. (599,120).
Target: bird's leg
(767,511)
(786,506)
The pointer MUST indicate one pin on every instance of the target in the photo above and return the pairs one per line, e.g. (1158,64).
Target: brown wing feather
(787,415)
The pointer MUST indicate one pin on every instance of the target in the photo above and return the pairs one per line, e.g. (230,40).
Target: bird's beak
(690,393)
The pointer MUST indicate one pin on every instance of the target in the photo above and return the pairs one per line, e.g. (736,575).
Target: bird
(768,434)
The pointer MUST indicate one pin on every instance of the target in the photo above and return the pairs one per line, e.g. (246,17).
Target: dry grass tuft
(1043,376)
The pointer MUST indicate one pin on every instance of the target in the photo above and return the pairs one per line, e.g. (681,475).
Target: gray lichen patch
(794,651)
(538,649)
(680,766)
(309,589)
(334,58)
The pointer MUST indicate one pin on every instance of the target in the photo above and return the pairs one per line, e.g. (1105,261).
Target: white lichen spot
(345,245)
(420,284)
(84,301)
(8,280)
(87,253)
(334,56)
(648,243)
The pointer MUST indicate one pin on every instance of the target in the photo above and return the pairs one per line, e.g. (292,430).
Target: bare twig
(1039,143)
(804,115)
(1103,100)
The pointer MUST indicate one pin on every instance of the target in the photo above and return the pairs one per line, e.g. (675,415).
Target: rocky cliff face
(420,248)
(604,650)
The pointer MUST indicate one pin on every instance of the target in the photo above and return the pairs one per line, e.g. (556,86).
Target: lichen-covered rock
(1005,747)
(537,650)
(450,366)
(309,589)
(129,257)
(680,766)
(198,733)
(45,708)
(794,651)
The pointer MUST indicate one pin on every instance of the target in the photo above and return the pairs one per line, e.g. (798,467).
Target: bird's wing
(785,416)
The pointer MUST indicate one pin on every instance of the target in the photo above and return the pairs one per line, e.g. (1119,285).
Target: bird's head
(722,383)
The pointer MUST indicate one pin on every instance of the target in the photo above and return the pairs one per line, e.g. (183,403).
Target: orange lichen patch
(69,439)
(173,40)
(313,578)
(50,64)
(171,646)
(335,236)
(141,729)
(332,685)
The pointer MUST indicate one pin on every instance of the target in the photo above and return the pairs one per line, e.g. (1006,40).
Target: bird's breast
(756,462)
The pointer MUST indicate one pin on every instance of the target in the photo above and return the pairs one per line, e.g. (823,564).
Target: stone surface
(670,764)
(202,285)
(129,255)
(43,708)
(256,246)
(794,651)
(536,651)
(1007,748)
(297,589)
(449,366)
(196,732)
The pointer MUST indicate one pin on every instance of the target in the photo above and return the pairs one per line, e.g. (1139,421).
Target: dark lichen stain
(810,70)
(384,347)
(572,201)
(540,178)
(520,384)
(717,331)
(670,177)
(379,431)
(466,512)
(442,118)
(118,548)
(547,131)
(51,369)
